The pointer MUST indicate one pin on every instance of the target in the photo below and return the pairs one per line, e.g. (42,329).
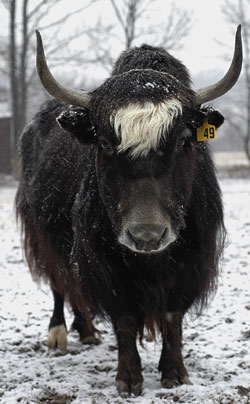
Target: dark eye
(105,146)
(181,143)
(186,135)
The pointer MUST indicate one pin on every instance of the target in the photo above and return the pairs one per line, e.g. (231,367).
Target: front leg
(57,337)
(171,363)
(129,378)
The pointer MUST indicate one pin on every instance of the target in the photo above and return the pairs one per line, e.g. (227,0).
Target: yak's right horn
(70,96)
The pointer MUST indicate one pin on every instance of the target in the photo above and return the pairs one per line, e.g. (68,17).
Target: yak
(120,206)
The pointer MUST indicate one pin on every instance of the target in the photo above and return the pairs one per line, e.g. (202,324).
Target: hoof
(91,340)
(124,389)
(57,337)
(136,389)
(171,383)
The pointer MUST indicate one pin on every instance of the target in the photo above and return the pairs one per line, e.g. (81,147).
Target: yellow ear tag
(206,132)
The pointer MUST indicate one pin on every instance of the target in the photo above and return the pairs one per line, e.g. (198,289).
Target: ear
(197,117)
(77,122)
(215,118)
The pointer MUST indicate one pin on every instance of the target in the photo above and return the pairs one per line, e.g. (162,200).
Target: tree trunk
(23,68)
(247,137)
(245,35)
(247,71)
(130,23)
(14,89)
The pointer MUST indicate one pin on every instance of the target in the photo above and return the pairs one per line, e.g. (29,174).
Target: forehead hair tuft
(140,127)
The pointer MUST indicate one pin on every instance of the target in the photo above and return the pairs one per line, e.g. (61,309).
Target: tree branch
(118,14)
(63,19)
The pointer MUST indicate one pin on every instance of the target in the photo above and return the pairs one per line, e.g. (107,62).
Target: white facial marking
(141,126)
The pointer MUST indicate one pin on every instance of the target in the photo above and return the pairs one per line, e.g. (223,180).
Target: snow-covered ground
(216,346)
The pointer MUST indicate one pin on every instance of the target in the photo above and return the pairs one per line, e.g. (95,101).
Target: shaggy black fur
(75,192)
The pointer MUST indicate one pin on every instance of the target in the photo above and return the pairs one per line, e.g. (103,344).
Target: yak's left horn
(227,82)
(70,96)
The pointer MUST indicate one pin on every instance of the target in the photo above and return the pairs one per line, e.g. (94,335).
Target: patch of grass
(243,391)
(166,396)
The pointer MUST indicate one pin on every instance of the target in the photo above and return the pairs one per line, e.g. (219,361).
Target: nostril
(131,237)
(163,236)
(140,244)
(147,237)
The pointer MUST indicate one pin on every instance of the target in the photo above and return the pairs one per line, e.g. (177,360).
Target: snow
(216,346)
(229,159)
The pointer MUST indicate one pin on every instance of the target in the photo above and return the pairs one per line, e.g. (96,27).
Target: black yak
(120,206)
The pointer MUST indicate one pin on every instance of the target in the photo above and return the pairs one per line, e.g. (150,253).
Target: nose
(147,237)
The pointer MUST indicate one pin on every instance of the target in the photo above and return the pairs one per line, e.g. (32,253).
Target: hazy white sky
(200,52)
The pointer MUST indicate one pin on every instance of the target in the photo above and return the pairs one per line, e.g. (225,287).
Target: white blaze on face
(142,126)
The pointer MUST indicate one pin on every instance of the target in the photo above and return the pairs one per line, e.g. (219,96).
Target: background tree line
(130,22)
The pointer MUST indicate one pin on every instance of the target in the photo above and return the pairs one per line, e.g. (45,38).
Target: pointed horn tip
(238,34)
(238,44)
(40,56)
(39,43)
(38,35)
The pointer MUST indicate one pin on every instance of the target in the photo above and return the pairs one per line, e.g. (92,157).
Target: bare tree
(133,18)
(20,73)
(128,15)
(235,12)
(13,82)
(175,27)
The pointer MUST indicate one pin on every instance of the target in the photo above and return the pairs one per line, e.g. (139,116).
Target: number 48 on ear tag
(206,132)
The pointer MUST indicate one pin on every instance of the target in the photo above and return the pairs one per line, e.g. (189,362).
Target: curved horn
(227,82)
(70,96)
